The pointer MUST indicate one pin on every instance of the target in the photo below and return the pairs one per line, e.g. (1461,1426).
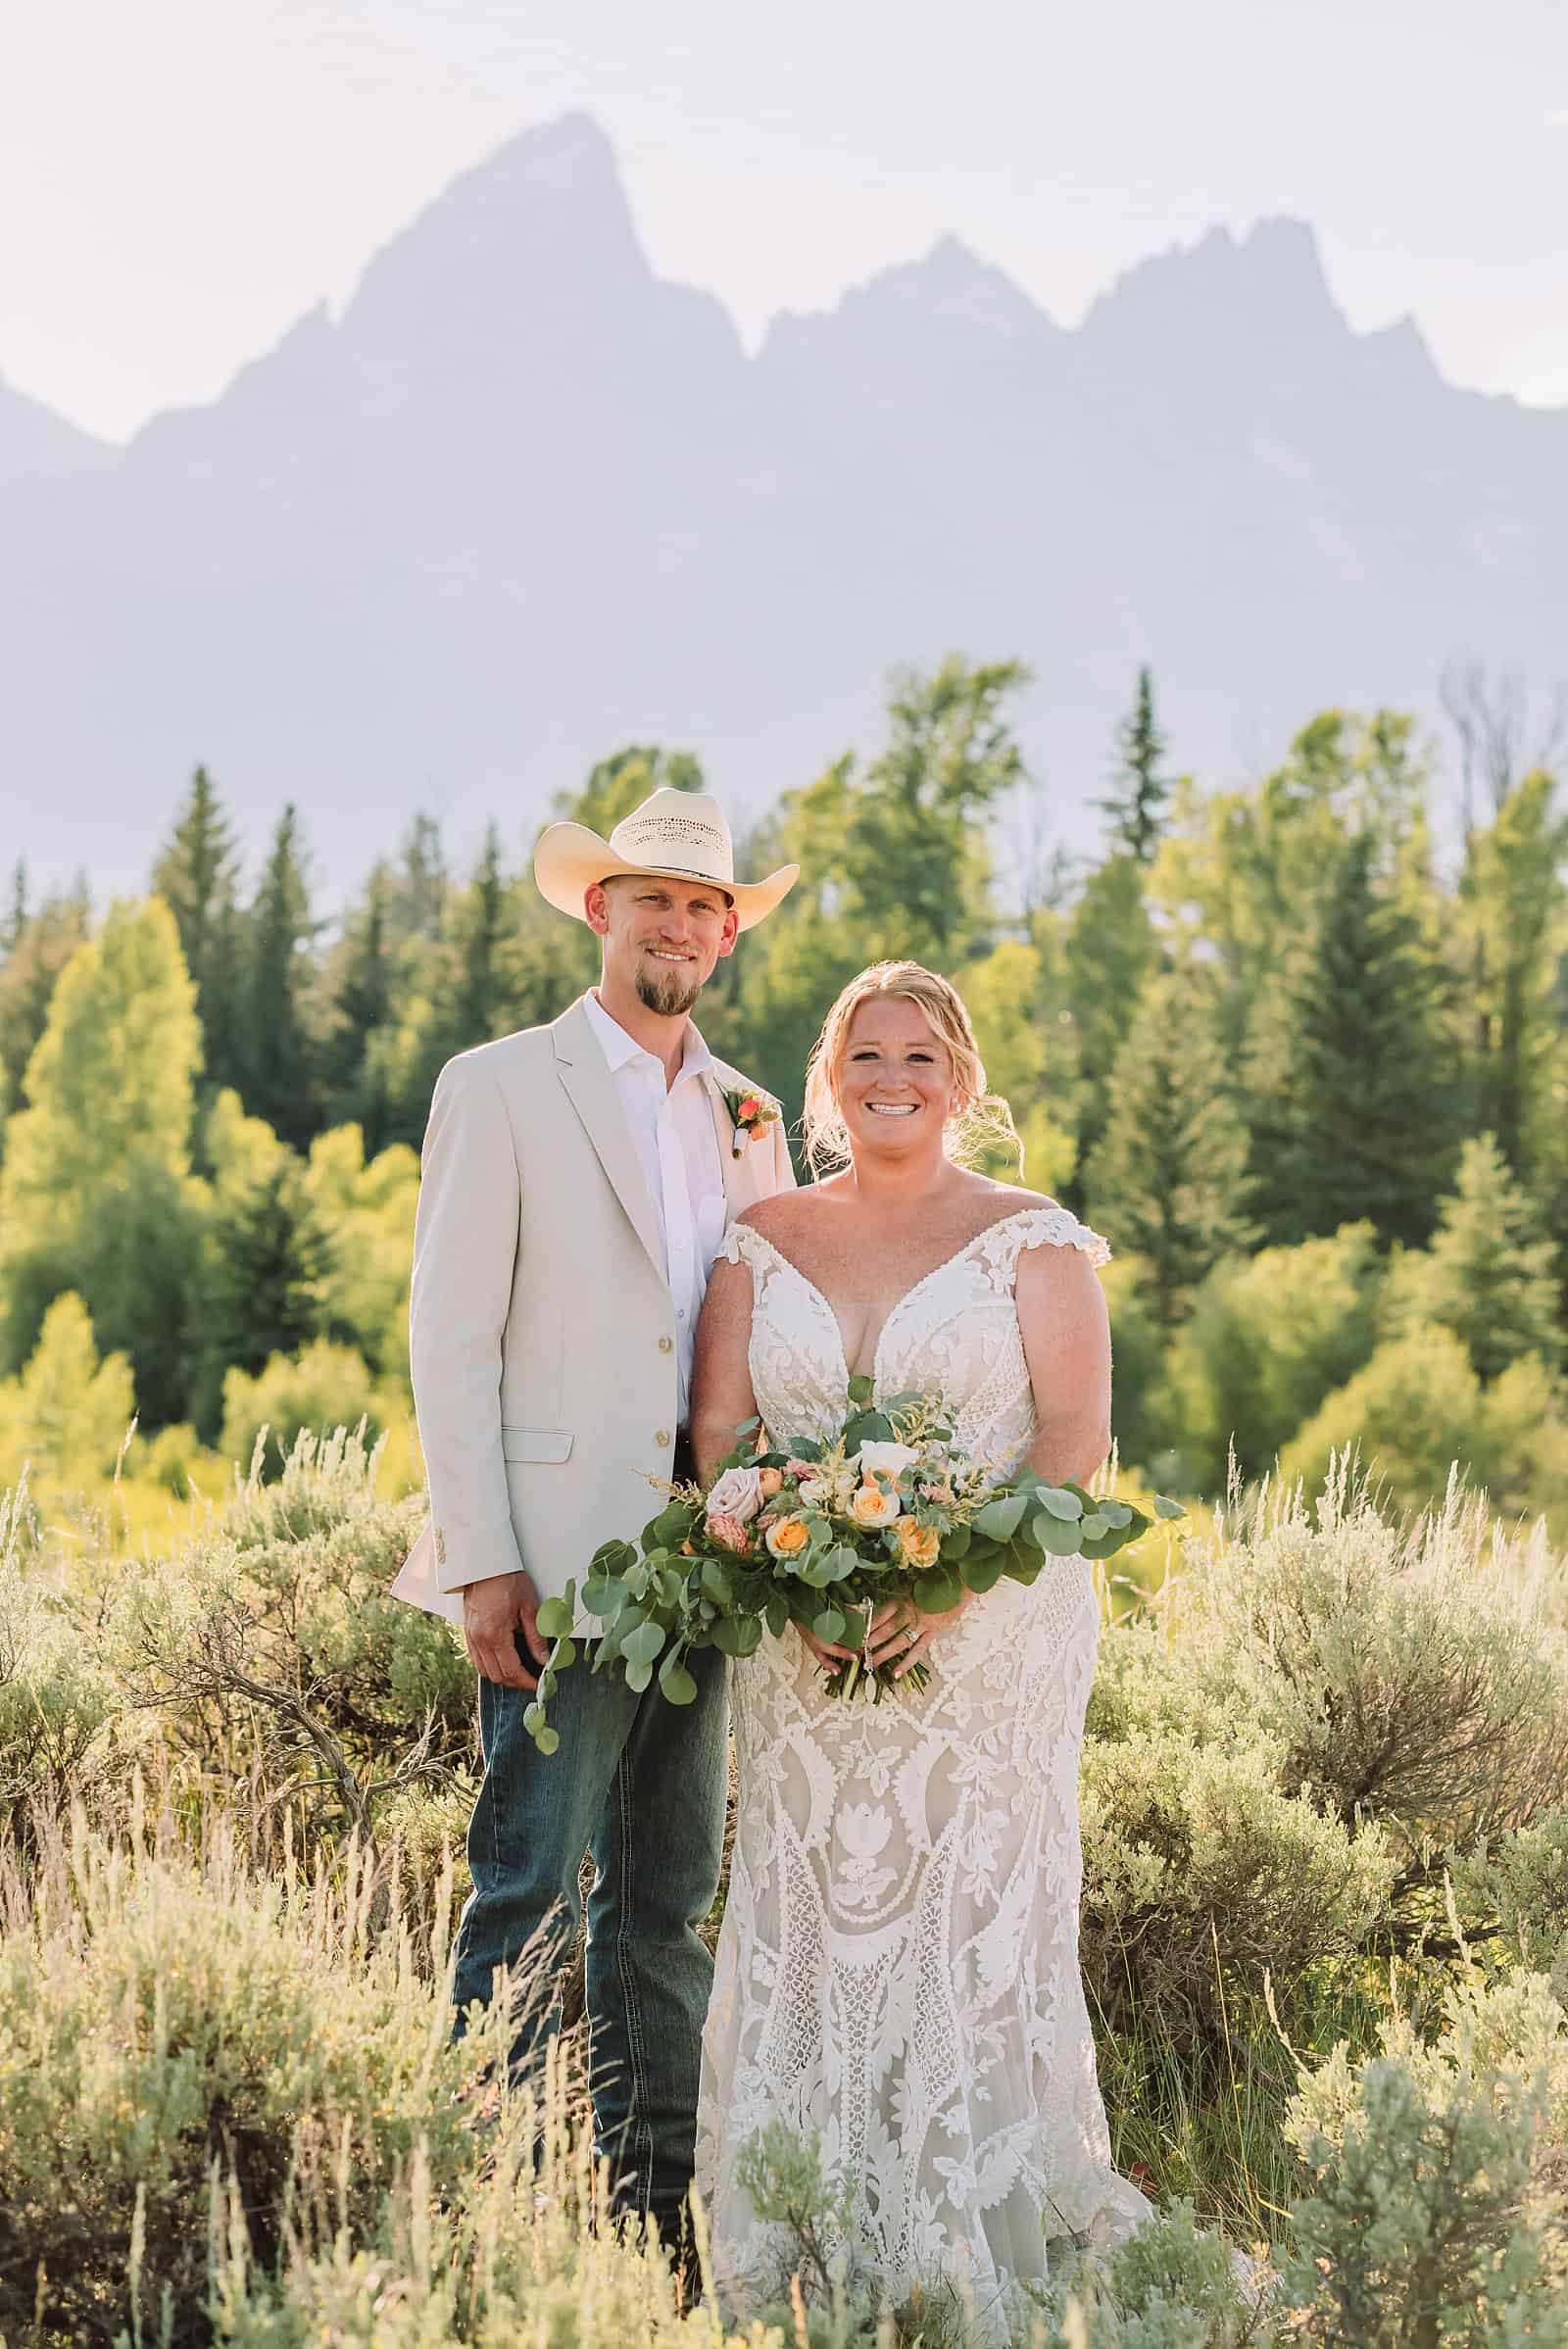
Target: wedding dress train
(898,1965)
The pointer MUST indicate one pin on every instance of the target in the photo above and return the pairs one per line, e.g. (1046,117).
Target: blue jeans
(639,1784)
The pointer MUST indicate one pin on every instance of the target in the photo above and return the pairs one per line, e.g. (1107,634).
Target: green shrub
(1194,1858)
(1409,1676)
(1410,1413)
(324,1386)
(160,2016)
(1436,2214)
(1515,1891)
(1270,1336)
(55,1695)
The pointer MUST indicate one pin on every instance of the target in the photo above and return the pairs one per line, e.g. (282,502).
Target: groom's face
(661,939)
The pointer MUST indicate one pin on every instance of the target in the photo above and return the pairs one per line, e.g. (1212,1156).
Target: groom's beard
(667,991)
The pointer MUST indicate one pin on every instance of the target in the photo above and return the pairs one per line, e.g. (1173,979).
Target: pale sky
(180,179)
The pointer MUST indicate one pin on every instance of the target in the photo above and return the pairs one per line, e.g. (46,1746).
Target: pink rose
(738,1493)
(730,1533)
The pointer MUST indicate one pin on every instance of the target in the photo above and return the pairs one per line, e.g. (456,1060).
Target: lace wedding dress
(897,1966)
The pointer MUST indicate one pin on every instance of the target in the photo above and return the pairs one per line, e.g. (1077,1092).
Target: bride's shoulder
(1020,1201)
(787,1211)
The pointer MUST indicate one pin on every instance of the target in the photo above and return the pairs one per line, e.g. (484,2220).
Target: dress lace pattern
(897,1966)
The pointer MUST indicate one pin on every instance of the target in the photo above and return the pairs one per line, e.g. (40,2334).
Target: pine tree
(268,1258)
(1516,910)
(197,876)
(1487,1275)
(1136,808)
(1167,1180)
(362,1009)
(1110,950)
(417,901)
(29,978)
(279,1052)
(103,1148)
(1361,1112)
(481,977)
(15,927)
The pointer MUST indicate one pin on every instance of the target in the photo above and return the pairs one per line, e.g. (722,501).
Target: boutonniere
(751,1115)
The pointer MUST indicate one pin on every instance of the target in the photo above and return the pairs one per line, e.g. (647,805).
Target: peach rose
(769,1483)
(730,1533)
(788,1538)
(870,1506)
(918,1544)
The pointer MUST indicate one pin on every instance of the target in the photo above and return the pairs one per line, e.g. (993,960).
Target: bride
(897,1966)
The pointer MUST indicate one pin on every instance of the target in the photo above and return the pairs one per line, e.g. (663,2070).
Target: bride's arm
(1066,1344)
(721,1378)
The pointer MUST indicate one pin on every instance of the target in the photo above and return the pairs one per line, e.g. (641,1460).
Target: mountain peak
(544,211)
(1267,286)
(950,287)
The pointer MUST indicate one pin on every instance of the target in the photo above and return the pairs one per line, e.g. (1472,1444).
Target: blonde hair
(978,1118)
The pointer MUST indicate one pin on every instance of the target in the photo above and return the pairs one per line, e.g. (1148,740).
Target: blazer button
(663,1435)
(666,1346)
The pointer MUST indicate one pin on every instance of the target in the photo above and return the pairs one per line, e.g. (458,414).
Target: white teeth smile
(892,1108)
(658,955)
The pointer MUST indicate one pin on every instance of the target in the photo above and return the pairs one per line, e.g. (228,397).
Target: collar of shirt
(619,1049)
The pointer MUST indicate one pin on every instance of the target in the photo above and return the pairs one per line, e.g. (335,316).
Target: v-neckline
(897,1307)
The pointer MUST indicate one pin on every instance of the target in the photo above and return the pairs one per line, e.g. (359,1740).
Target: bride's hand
(901,1633)
(827,1654)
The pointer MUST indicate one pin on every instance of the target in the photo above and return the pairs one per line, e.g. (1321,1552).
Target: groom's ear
(596,908)
(730,932)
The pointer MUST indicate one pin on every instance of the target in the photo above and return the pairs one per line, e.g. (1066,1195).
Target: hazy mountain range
(523,502)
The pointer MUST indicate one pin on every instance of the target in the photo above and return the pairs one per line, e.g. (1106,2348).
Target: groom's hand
(497,1614)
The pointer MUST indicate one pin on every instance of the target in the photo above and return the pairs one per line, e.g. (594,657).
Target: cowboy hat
(673,835)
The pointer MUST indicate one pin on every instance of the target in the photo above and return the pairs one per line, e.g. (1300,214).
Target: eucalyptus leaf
(776,1612)
(715,1582)
(940,1592)
(1000,1518)
(555,1619)
(1094,1525)
(638,1677)
(981,1574)
(1061,1538)
(1167,1508)
(861,1389)
(642,1645)
(829,1625)
(1061,1503)
(738,1635)
(675,1681)
(547,1739)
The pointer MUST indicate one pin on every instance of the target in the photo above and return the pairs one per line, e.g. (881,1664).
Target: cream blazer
(540,1326)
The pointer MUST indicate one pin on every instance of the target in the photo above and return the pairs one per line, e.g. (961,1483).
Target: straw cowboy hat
(673,835)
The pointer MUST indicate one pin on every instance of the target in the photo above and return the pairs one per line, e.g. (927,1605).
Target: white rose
(887,1459)
(738,1493)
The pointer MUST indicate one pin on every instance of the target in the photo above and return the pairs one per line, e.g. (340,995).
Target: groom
(578,1179)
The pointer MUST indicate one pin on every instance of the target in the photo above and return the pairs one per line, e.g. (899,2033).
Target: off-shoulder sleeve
(1055,1227)
(742,1246)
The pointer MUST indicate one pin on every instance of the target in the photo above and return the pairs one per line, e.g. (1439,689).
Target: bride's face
(895,1078)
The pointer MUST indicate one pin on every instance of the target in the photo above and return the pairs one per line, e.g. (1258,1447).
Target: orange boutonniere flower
(751,1115)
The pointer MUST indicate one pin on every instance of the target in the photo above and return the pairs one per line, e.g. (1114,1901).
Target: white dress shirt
(672,1126)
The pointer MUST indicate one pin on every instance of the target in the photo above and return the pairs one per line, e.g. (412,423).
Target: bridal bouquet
(821,1534)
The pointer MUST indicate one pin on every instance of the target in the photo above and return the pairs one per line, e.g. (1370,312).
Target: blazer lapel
(589,1086)
(738,1193)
